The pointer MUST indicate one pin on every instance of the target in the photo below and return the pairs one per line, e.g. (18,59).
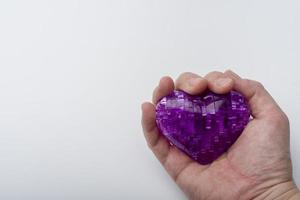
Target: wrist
(282,191)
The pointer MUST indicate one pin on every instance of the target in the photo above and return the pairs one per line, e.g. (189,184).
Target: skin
(257,166)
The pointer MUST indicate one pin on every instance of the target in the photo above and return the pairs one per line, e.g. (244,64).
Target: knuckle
(258,84)
(150,146)
(165,79)
(183,78)
(186,74)
(152,143)
(180,78)
(255,84)
(279,118)
(213,74)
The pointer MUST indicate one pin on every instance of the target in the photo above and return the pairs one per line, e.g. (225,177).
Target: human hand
(257,166)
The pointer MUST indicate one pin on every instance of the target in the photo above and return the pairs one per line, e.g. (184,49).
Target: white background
(74,73)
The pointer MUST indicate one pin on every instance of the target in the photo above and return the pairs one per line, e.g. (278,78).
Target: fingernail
(195,81)
(223,81)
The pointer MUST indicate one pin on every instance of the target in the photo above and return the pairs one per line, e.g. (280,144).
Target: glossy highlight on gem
(202,126)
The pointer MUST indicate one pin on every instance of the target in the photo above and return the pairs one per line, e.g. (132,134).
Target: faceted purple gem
(203,126)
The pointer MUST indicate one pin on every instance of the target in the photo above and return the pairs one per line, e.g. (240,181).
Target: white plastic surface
(74,73)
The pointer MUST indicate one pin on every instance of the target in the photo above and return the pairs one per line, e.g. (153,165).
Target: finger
(178,165)
(191,83)
(260,101)
(165,87)
(218,82)
(156,142)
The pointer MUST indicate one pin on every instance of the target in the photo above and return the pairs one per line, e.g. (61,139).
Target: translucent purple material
(205,126)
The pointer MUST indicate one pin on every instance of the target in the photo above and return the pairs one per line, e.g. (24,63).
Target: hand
(257,166)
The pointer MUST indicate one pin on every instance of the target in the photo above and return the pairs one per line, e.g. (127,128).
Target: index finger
(191,83)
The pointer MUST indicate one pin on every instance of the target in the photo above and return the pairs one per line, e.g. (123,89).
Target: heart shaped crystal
(204,126)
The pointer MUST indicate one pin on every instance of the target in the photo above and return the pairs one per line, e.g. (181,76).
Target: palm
(245,164)
(259,159)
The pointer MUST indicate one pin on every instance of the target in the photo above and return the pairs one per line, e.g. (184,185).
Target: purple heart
(204,126)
